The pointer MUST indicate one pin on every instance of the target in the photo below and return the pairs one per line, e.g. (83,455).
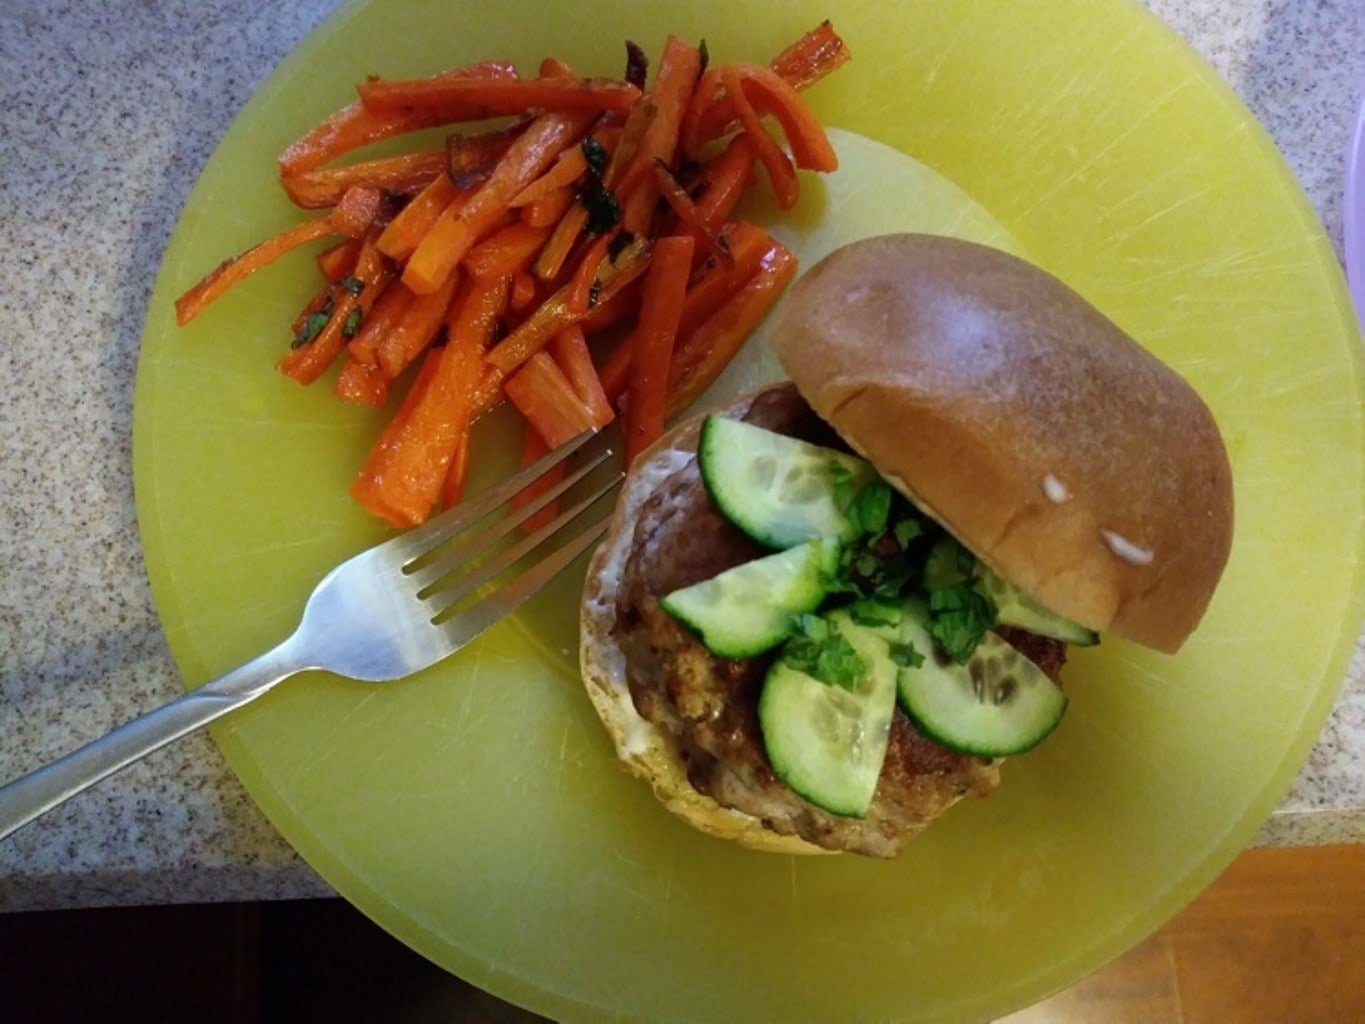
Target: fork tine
(478,544)
(464,626)
(442,527)
(485,571)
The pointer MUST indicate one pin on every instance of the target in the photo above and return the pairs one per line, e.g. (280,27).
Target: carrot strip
(781,173)
(549,209)
(533,447)
(405,472)
(307,360)
(554,314)
(470,158)
(579,297)
(570,166)
(651,348)
(337,261)
(506,252)
(690,218)
(238,268)
(569,350)
(355,126)
(417,327)
(452,488)
(471,99)
(361,383)
(545,397)
(703,354)
(523,291)
(769,93)
(399,175)
(727,176)
(402,234)
(355,211)
(679,68)
(374,486)
(390,308)
(451,237)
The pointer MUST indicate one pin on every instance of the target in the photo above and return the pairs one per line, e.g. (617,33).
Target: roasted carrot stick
(549,209)
(506,252)
(477,99)
(553,315)
(361,383)
(701,356)
(452,488)
(356,211)
(239,268)
(390,307)
(570,166)
(545,397)
(781,173)
(523,291)
(307,360)
(672,90)
(452,236)
(726,178)
(532,448)
(471,157)
(398,175)
(652,343)
(405,471)
(579,297)
(415,330)
(769,93)
(690,219)
(402,234)
(355,126)
(569,350)
(338,260)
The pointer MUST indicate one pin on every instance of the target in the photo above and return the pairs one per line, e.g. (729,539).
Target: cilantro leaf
(595,153)
(874,613)
(904,654)
(604,212)
(313,326)
(870,508)
(906,531)
(354,285)
(958,617)
(352,325)
(822,652)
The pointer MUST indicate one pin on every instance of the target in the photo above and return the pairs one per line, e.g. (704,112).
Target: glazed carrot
(727,176)
(553,315)
(337,261)
(532,448)
(579,297)
(545,397)
(569,350)
(652,342)
(405,471)
(471,157)
(679,68)
(811,57)
(390,307)
(416,328)
(549,209)
(452,236)
(477,99)
(769,93)
(376,490)
(507,251)
(452,488)
(307,360)
(401,235)
(701,356)
(361,383)
(239,268)
(781,173)
(690,219)
(355,211)
(355,126)
(523,291)
(398,175)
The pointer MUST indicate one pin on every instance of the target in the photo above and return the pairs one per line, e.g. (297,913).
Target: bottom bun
(645,749)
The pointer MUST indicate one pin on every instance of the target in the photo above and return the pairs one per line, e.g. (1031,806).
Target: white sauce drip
(1131,553)
(1055,490)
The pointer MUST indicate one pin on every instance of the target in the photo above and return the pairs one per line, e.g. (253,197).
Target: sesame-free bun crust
(1072,461)
(646,750)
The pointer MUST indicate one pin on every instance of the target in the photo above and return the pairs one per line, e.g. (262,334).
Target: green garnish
(352,325)
(604,212)
(907,530)
(822,652)
(870,508)
(313,326)
(958,617)
(596,155)
(705,54)
(874,613)
(352,284)
(904,654)
(948,564)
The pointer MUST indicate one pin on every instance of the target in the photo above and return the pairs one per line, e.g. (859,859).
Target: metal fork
(381,615)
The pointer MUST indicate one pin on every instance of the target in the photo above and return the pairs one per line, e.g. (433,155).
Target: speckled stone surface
(107,113)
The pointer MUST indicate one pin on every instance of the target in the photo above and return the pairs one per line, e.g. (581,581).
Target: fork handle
(33,794)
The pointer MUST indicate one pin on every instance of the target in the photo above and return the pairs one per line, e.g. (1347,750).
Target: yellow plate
(476,811)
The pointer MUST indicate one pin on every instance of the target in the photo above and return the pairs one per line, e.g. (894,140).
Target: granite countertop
(107,114)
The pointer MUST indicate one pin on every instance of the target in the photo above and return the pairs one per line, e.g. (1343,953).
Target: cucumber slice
(777,489)
(1015,608)
(826,742)
(747,610)
(997,704)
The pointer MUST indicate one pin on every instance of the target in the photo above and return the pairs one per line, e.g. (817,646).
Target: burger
(826,613)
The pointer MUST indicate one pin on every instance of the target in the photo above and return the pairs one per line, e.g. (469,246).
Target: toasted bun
(1073,462)
(645,749)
